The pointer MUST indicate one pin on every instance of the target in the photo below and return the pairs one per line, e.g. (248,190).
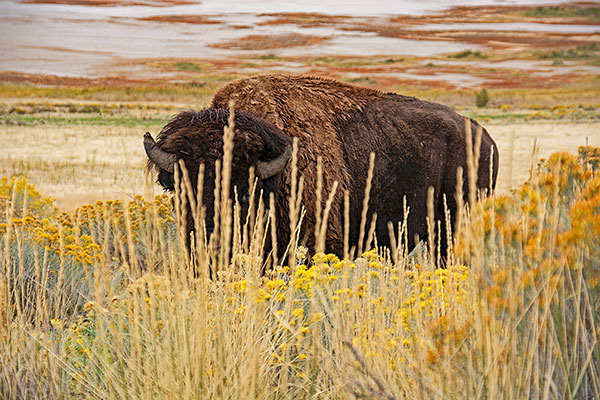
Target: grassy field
(103,303)
(98,298)
(82,144)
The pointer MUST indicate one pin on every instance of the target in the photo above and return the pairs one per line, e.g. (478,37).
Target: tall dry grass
(106,302)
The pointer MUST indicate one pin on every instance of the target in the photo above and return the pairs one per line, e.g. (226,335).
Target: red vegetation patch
(265,42)
(305,20)
(186,19)
(495,14)
(497,40)
(53,80)
(517,40)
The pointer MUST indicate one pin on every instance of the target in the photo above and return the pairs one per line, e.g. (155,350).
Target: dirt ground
(109,162)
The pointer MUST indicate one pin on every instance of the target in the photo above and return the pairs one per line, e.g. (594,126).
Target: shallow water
(82,41)
(67,40)
(357,8)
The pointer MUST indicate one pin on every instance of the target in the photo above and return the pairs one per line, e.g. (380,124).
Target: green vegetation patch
(33,107)
(563,12)
(469,54)
(482,98)
(189,66)
(581,52)
(335,62)
(33,113)
(193,91)
(269,57)
(363,80)
(349,63)
(180,65)
(101,120)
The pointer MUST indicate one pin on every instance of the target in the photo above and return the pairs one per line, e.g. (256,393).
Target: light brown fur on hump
(301,106)
(306,107)
(275,97)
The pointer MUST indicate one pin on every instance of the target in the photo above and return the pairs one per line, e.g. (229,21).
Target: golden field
(101,301)
(82,144)
(109,161)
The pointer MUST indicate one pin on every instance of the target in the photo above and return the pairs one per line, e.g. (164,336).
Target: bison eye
(166,180)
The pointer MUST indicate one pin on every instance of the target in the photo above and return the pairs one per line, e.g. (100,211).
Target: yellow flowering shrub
(16,192)
(63,250)
(539,238)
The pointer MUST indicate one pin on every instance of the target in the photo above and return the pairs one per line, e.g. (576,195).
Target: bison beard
(418,144)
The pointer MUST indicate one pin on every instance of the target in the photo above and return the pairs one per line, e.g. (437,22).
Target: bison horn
(270,168)
(161,158)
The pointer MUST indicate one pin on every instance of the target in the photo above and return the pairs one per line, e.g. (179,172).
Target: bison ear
(267,169)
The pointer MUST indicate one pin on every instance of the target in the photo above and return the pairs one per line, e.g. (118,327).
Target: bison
(418,145)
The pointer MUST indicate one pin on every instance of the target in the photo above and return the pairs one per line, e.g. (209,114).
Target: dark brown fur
(197,137)
(418,144)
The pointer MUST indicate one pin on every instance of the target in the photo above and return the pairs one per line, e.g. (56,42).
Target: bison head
(197,138)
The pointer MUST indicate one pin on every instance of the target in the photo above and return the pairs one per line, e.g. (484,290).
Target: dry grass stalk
(318,194)
(321,237)
(295,202)
(346,224)
(273,220)
(430,223)
(363,216)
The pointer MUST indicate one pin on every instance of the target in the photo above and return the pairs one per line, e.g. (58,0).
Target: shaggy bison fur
(418,144)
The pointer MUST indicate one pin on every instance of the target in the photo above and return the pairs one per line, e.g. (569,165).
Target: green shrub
(564,12)
(469,54)
(481,98)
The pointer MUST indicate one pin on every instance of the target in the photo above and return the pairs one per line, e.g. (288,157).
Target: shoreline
(467,47)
